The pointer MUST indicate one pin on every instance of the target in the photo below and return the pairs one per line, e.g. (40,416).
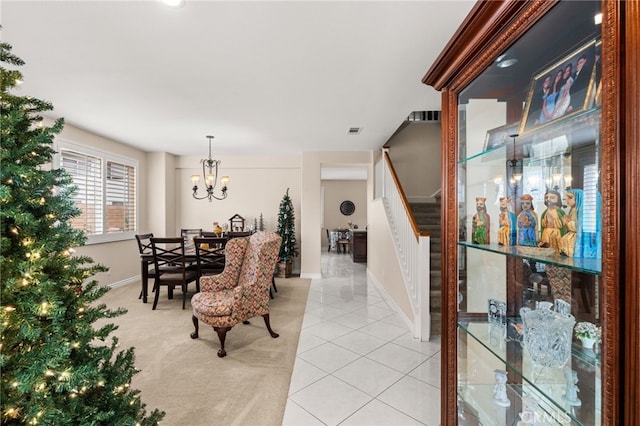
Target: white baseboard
(124,282)
(310,275)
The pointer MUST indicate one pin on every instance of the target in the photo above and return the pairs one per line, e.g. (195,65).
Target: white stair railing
(412,248)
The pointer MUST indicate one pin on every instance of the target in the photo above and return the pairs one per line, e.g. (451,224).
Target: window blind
(87,178)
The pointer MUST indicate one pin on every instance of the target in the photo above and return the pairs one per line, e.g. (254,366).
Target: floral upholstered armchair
(241,291)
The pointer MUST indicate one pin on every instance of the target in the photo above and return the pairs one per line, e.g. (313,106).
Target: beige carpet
(185,377)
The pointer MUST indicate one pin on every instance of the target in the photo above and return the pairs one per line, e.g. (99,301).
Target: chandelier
(210,176)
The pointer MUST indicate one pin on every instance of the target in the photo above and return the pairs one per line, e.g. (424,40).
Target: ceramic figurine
(481,223)
(527,223)
(500,389)
(507,221)
(551,221)
(578,241)
(571,394)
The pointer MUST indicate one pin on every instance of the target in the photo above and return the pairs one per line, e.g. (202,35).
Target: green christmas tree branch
(58,367)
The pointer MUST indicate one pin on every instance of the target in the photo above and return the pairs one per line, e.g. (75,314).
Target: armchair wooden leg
(222,334)
(266,322)
(194,335)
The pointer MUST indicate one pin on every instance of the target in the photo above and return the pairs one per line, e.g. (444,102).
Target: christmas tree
(286,229)
(56,367)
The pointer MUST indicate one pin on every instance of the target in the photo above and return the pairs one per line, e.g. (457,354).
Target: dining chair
(144,248)
(209,255)
(343,242)
(328,240)
(170,253)
(188,234)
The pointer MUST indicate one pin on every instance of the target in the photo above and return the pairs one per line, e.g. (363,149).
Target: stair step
(435,282)
(428,219)
(436,324)
(435,301)
(419,205)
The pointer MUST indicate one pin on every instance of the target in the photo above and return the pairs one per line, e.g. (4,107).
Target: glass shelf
(590,266)
(547,386)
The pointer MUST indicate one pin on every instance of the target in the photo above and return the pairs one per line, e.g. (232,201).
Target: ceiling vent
(426,116)
(353,130)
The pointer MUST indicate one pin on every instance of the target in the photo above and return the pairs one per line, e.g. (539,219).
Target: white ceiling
(262,77)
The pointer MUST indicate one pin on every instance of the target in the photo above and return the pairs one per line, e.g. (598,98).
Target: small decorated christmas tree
(286,229)
(56,367)
(261,223)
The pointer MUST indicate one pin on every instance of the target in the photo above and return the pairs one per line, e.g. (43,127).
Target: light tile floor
(357,363)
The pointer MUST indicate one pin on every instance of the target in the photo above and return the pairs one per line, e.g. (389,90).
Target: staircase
(427,216)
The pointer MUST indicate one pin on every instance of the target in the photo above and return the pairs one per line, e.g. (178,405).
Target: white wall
(337,191)
(382,261)
(256,185)
(311,207)
(415,153)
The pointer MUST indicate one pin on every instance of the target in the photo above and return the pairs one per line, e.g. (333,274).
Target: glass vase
(547,336)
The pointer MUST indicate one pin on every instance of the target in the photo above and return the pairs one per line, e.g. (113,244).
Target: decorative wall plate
(347,208)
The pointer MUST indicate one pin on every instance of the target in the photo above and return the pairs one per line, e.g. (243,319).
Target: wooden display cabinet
(504,136)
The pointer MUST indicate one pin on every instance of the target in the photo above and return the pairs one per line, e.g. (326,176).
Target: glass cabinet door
(530,220)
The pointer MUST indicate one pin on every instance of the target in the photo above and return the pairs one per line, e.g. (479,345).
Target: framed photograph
(561,90)
(499,136)
(597,72)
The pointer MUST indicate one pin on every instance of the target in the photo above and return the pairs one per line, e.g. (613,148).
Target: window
(106,191)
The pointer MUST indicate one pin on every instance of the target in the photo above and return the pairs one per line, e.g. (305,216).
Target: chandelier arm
(199,198)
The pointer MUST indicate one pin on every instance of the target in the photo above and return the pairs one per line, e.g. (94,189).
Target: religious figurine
(568,240)
(578,241)
(527,223)
(551,221)
(507,221)
(500,389)
(481,223)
